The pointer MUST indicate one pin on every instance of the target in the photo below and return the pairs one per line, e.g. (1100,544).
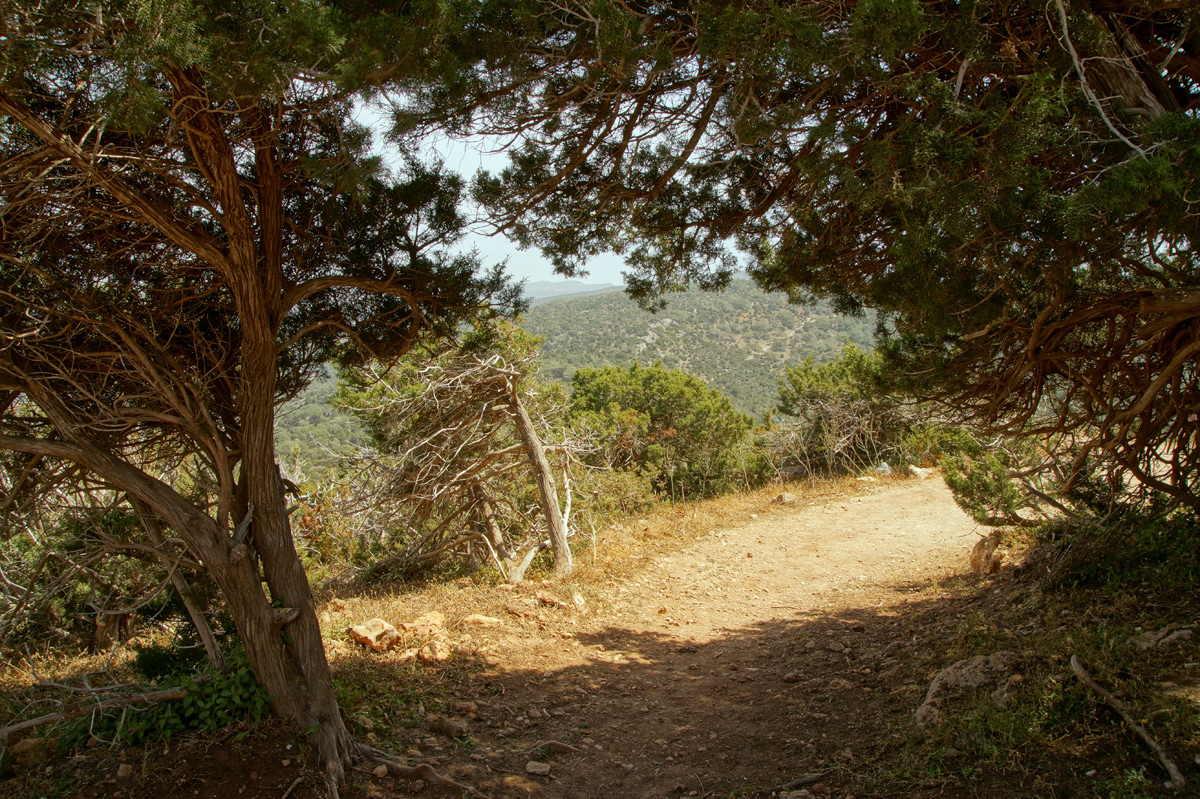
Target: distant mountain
(539,291)
(737,340)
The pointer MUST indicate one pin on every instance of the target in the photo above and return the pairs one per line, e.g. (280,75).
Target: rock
(970,674)
(835,646)
(1168,634)
(380,771)
(984,557)
(451,729)
(375,633)
(426,624)
(580,602)
(435,652)
(537,767)
(407,656)
(124,771)
(33,751)
(792,676)
(919,473)
(481,620)
(550,600)
(838,684)
(785,498)
(466,708)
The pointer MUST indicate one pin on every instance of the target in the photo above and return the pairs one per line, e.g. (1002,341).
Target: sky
(466,158)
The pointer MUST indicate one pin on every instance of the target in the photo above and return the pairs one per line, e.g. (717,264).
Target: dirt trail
(796,643)
(755,655)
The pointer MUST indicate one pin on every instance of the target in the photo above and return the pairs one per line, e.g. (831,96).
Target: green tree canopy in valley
(737,340)
(1009,182)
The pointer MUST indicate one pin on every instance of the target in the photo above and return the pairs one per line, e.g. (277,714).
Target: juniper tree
(190,225)
(1011,183)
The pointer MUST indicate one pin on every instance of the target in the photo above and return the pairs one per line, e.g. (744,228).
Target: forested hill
(737,340)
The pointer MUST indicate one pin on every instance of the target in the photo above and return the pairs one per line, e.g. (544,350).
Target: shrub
(842,416)
(668,426)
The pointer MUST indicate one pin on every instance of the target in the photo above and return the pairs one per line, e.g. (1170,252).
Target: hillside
(540,291)
(310,433)
(738,340)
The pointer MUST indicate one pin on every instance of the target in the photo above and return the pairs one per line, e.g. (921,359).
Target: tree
(687,437)
(454,428)
(1010,183)
(844,415)
(191,225)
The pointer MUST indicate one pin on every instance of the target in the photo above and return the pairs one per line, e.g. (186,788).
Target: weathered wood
(545,483)
(1177,779)
(124,700)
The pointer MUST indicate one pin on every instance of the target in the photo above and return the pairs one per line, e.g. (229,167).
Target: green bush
(668,426)
(211,703)
(842,416)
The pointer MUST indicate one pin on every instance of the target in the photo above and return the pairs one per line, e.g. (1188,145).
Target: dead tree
(459,434)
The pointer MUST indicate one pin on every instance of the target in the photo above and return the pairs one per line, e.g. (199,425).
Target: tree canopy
(1010,182)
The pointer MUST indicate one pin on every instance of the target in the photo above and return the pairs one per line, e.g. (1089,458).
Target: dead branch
(107,704)
(424,771)
(1177,780)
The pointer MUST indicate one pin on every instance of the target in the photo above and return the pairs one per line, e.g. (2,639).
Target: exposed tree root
(1177,779)
(423,771)
(807,779)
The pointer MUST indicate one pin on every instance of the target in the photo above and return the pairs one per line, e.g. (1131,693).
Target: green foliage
(213,701)
(1130,784)
(737,340)
(1138,544)
(857,375)
(842,417)
(312,433)
(984,488)
(1020,218)
(668,425)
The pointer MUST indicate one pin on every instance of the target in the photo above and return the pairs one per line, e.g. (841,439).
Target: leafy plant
(213,700)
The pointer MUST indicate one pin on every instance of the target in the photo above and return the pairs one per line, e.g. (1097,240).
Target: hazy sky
(467,159)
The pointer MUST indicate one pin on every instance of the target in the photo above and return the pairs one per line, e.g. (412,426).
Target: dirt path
(756,655)
(798,642)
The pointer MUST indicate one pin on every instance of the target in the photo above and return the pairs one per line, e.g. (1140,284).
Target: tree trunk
(545,482)
(289,662)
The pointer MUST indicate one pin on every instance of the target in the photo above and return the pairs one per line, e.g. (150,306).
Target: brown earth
(792,645)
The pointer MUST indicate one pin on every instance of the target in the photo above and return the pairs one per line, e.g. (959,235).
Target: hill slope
(738,340)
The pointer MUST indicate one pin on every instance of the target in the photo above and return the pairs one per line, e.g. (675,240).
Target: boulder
(33,751)
(482,621)
(1167,635)
(984,558)
(435,652)
(965,675)
(785,499)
